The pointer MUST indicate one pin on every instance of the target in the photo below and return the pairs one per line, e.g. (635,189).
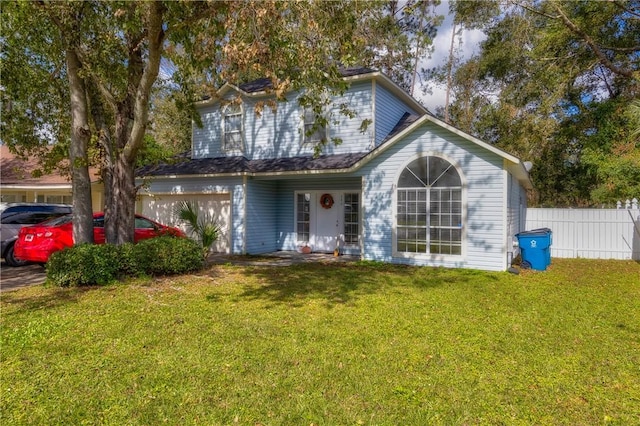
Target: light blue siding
(274,134)
(482,173)
(277,134)
(206,140)
(359,99)
(389,110)
(261,216)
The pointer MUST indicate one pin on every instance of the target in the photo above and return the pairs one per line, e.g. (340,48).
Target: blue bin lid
(541,232)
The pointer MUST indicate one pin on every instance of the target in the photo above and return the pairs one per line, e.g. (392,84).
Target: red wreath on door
(326,201)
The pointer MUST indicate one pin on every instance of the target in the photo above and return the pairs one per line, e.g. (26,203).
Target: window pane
(141,223)
(409,180)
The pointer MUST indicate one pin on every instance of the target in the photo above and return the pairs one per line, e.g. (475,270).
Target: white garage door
(162,208)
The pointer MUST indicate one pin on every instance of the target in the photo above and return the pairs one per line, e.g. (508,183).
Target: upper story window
(314,131)
(232,127)
(429,208)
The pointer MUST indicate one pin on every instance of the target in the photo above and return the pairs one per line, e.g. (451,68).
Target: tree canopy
(552,83)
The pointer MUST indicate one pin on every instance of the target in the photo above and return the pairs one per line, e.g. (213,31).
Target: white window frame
(463,227)
(358,222)
(310,201)
(318,135)
(238,146)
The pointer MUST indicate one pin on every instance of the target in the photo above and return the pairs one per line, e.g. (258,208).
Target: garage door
(162,208)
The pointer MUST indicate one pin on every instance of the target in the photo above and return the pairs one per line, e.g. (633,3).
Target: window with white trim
(351,218)
(232,127)
(429,208)
(314,132)
(303,217)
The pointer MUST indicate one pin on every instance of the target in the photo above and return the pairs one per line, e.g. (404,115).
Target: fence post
(634,204)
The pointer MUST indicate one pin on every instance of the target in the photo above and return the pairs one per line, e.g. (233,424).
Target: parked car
(37,243)
(14,216)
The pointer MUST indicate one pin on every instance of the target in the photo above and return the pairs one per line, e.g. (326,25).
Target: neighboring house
(409,189)
(18,183)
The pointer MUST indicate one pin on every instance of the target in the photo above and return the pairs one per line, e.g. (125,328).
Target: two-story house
(408,189)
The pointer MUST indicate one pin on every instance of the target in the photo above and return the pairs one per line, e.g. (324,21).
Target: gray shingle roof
(262,84)
(238,164)
(405,121)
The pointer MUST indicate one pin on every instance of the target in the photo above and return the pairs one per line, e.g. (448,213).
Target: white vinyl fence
(591,233)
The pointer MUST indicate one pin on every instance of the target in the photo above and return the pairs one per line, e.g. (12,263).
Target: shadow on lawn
(47,300)
(343,283)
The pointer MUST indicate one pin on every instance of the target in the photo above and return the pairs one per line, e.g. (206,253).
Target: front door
(327,222)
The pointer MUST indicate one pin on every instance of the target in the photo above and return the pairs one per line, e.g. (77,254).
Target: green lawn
(329,344)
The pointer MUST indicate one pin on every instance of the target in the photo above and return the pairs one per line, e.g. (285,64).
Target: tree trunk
(131,119)
(79,160)
(106,145)
(119,175)
(449,73)
(125,200)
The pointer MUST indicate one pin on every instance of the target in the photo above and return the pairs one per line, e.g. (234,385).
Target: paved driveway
(22,276)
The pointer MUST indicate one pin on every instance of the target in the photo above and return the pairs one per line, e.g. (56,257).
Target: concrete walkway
(21,276)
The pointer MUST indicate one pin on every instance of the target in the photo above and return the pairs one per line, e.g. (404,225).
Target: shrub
(90,264)
(86,264)
(201,225)
(167,255)
(128,266)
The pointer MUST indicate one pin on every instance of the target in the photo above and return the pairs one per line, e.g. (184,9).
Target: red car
(36,243)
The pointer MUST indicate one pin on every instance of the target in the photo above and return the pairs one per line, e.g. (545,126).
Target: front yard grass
(329,344)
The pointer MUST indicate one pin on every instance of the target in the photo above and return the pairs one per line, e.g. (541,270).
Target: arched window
(429,208)
(232,127)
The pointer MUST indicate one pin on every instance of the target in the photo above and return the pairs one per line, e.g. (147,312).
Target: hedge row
(91,264)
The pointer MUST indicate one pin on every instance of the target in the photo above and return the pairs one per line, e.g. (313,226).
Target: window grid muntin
(351,218)
(429,218)
(303,217)
(232,127)
(438,210)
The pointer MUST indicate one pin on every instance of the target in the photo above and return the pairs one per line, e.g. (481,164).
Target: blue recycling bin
(535,247)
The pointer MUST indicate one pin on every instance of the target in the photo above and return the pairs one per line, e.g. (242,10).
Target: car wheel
(11,260)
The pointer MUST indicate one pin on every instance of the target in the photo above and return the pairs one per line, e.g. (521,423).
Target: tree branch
(156,37)
(623,7)
(594,47)
(622,49)
(591,43)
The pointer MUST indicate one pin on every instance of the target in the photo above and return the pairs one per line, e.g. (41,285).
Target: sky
(470,44)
